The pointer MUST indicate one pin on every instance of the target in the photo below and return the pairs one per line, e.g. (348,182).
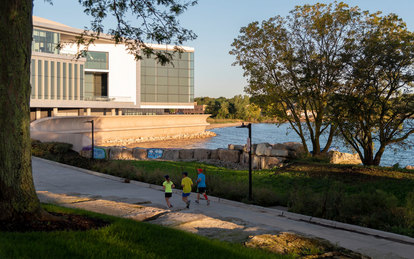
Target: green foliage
(42,148)
(410,210)
(333,69)
(136,22)
(238,107)
(123,238)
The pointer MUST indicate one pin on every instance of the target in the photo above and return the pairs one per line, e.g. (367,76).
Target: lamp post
(93,139)
(249,149)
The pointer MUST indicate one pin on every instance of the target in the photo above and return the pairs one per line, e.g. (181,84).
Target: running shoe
(208,202)
(188,204)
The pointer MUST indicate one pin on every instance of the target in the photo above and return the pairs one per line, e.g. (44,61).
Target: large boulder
(279,146)
(235,147)
(171,154)
(139,153)
(261,149)
(295,149)
(269,162)
(244,158)
(336,157)
(254,146)
(186,154)
(232,156)
(214,154)
(256,162)
(202,154)
(120,153)
(279,153)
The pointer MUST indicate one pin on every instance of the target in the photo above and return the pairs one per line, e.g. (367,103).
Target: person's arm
(163,186)
(173,186)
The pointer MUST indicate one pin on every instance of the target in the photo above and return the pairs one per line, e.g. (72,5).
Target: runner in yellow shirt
(186,183)
(168,185)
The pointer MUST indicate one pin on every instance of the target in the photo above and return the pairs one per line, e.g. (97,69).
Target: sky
(217,23)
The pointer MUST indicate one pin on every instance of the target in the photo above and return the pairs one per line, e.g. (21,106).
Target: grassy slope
(372,197)
(317,176)
(122,239)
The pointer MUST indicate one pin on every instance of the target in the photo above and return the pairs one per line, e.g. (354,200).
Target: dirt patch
(303,247)
(62,222)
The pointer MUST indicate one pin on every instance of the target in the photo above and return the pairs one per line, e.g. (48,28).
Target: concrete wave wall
(77,131)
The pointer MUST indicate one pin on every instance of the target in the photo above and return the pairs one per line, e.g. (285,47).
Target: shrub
(409,210)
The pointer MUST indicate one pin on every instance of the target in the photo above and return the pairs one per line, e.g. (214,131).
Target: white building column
(119,112)
(88,111)
(55,112)
(38,114)
(113,111)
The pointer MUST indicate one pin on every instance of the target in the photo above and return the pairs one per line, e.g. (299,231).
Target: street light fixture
(249,149)
(93,138)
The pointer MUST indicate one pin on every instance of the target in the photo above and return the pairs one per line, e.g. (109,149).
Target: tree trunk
(368,155)
(18,200)
(379,153)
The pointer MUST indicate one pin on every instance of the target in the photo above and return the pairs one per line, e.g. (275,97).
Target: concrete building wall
(115,128)
(121,73)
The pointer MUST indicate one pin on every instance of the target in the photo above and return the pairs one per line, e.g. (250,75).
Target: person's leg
(168,201)
(198,198)
(205,196)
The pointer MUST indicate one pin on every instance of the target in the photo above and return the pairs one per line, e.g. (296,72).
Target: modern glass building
(107,80)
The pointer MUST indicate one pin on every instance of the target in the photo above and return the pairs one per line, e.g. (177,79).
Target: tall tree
(18,198)
(159,24)
(373,111)
(293,65)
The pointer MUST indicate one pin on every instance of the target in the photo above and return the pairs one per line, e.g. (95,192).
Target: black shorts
(201,189)
(168,194)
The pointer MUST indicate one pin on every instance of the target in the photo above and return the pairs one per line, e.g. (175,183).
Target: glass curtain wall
(56,80)
(45,41)
(172,83)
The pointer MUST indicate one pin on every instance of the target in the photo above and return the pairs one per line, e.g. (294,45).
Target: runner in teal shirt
(201,186)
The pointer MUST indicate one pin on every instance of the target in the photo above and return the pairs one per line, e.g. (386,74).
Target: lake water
(272,134)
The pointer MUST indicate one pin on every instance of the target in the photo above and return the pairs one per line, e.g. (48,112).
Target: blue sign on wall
(99,153)
(154,153)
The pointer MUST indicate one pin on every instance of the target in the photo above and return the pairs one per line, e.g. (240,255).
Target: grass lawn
(123,238)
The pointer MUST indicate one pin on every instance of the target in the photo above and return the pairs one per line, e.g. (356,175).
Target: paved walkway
(233,220)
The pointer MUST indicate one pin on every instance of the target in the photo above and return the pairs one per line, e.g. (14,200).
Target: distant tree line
(333,70)
(238,107)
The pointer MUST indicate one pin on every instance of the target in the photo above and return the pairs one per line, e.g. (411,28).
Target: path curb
(276,212)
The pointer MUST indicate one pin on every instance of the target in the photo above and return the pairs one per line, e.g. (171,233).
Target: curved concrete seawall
(77,131)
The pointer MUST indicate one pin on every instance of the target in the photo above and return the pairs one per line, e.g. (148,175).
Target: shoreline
(222,125)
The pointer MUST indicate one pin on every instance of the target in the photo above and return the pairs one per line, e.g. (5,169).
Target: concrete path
(97,192)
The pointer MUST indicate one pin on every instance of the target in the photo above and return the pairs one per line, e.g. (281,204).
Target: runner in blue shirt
(201,186)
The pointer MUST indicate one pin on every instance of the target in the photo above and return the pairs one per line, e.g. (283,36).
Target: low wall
(264,155)
(110,129)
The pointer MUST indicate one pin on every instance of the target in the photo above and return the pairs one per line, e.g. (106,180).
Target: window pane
(70,76)
(97,60)
(58,80)
(52,80)
(33,77)
(81,82)
(65,78)
(75,78)
(39,79)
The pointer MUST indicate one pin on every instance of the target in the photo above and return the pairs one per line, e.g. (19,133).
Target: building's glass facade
(45,41)
(97,60)
(55,80)
(172,83)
